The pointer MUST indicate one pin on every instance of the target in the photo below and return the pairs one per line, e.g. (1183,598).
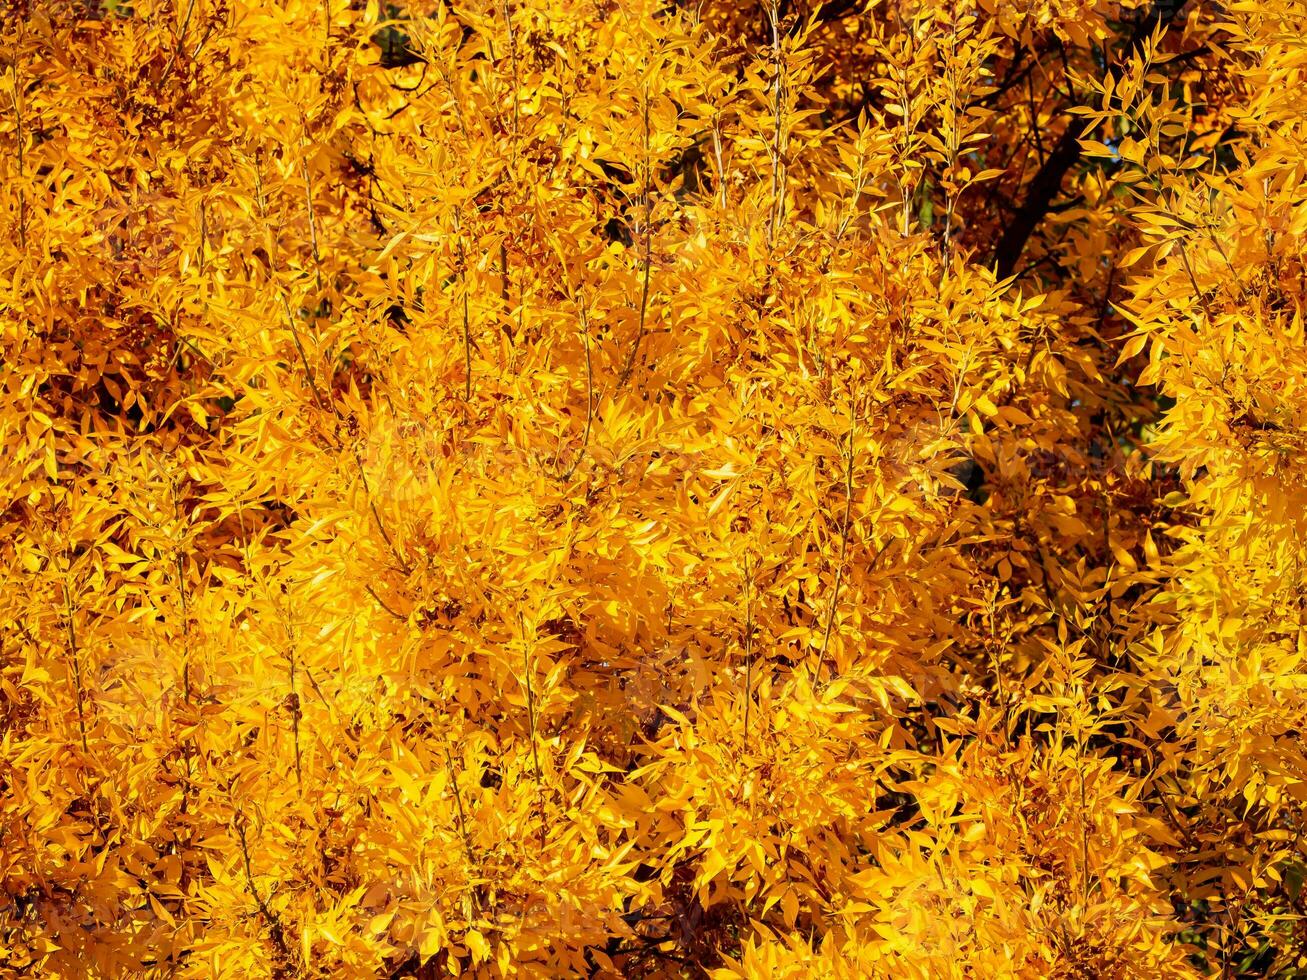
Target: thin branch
(589,398)
(181,39)
(270,918)
(531,722)
(380,602)
(75,657)
(777,175)
(22,176)
(844,537)
(458,802)
(1048,179)
(467,322)
(648,256)
(748,650)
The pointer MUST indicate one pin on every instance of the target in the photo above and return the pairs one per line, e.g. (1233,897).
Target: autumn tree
(640,488)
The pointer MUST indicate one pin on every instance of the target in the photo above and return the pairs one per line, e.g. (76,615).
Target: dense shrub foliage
(646,488)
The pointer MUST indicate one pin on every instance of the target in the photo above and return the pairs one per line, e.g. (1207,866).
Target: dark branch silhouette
(1048,180)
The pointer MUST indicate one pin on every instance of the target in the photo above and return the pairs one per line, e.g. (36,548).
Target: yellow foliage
(638,488)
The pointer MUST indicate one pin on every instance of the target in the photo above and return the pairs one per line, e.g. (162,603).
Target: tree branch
(1048,180)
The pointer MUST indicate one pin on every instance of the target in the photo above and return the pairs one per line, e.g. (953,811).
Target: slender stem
(467,346)
(77,666)
(721,164)
(204,235)
(517,83)
(467,322)
(955,112)
(530,707)
(647,260)
(748,650)
(1193,280)
(403,566)
(503,288)
(358,458)
(261,200)
(304,360)
(1084,816)
(295,721)
(458,803)
(22,176)
(380,602)
(844,538)
(181,39)
(189,749)
(308,370)
(181,588)
(313,224)
(777,150)
(589,398)
(270,918)
(531,723)
(905,86)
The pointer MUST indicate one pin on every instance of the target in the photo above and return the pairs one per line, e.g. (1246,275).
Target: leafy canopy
(641,488)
